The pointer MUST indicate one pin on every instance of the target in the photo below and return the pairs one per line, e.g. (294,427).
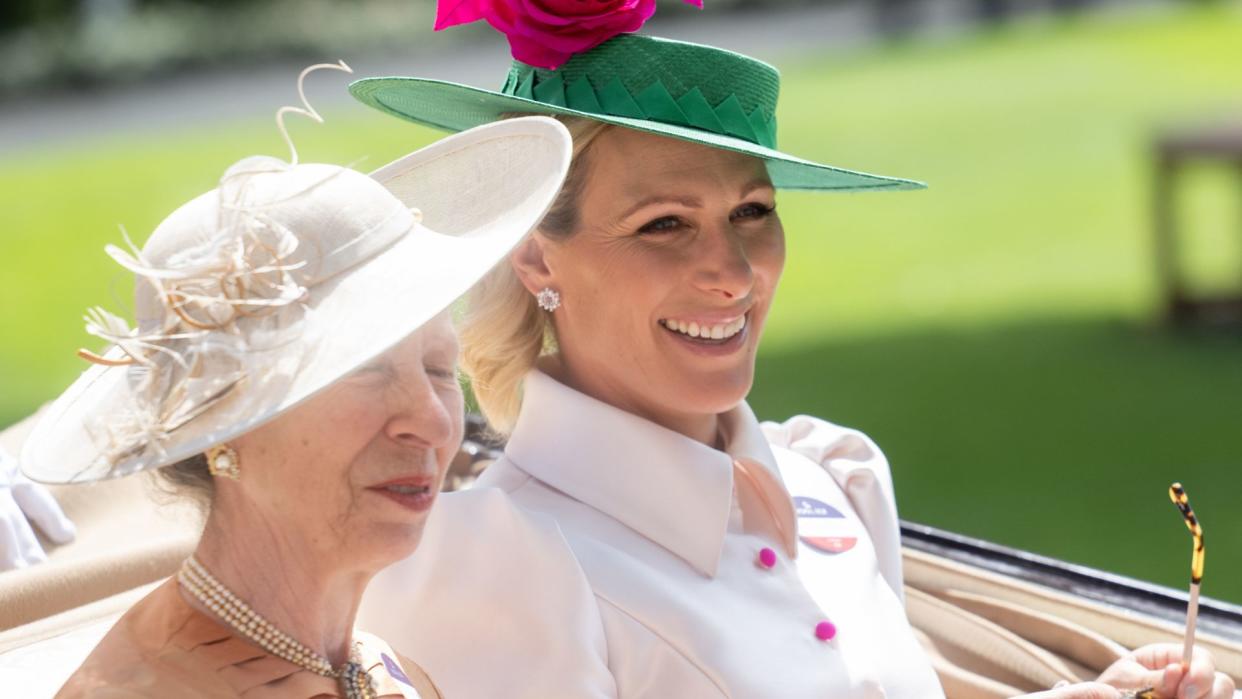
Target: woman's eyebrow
(446,349)
(757,183)
(378,366)
(687,201)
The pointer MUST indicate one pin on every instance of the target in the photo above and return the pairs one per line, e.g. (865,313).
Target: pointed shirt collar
(668,487)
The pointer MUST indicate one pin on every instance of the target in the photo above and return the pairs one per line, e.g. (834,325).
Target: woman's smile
(708,337)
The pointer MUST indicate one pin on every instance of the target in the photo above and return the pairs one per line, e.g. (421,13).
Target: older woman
(293,367)
(644,535)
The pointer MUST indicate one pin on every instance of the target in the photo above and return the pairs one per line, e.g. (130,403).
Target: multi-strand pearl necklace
(354,680)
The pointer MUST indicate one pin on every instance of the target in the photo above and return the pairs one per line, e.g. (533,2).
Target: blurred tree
(20,13)
(896,18)
(1072,6)
(201,3)
(15,14)
(992,10)
(95,11)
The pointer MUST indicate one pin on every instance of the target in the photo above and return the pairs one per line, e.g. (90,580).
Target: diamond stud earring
(548,299)
(222,461)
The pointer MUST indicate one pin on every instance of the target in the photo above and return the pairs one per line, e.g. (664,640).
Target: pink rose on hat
(545,33)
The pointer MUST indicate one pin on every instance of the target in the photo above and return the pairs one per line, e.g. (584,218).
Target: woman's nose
(422,421)
(723,267)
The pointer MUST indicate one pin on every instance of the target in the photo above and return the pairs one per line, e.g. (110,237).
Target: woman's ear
(529,260)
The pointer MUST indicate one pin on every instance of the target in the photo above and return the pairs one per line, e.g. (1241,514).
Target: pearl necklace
(354,680)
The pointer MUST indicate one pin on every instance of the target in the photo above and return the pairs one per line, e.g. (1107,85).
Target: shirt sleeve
(492,604)
(862,471)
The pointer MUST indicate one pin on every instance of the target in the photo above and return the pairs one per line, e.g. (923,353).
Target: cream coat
(604,556)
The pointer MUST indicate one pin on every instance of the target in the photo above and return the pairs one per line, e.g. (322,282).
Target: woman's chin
(391,542)
(707,376)
(711,393)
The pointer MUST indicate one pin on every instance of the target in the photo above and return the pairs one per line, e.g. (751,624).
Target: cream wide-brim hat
(478,193)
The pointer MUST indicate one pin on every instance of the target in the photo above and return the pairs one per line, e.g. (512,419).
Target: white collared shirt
(604,556)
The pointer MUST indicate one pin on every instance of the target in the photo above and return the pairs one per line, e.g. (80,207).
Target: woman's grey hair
(188,479)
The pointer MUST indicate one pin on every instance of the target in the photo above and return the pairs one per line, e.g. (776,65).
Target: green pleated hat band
(681,84)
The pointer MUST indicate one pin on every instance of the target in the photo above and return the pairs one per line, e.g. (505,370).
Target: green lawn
(996,333)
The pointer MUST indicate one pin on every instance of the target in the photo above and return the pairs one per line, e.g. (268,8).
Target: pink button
(767,557)
(825,631)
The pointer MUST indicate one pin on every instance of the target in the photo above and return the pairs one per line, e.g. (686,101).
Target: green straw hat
(688,91)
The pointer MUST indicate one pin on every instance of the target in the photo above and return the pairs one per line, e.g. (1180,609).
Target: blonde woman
(644,535)
(294,369)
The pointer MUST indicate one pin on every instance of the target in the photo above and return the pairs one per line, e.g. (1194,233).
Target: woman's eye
(662,225)
(753,211)
(441,373)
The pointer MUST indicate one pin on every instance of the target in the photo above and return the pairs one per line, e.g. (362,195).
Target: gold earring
(222,461)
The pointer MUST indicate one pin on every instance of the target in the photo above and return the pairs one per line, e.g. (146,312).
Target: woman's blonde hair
(503,331)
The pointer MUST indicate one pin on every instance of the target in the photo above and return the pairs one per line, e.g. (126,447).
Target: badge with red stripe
(822,526)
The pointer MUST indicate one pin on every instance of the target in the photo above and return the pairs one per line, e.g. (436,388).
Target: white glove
(22,500)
